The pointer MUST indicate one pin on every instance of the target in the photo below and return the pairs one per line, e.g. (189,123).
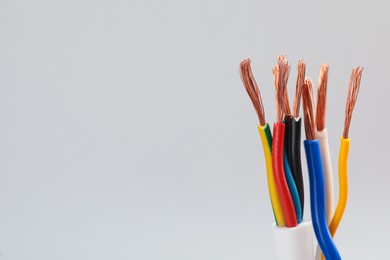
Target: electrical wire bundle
(292,235)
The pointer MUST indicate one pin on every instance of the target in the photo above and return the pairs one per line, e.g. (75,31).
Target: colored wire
(317,200)
(293,150)
(293,189)
(316,177)
(266,139)
(353,92)
(343,185)
(279,175)
(322,137)
(253,91)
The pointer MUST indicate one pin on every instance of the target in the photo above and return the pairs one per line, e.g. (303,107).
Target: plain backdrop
(126,133)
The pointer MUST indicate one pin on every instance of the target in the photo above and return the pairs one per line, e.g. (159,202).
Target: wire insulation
(293,189)
(322,137)
(293,149)
(317,200)
(266,139)
(343,185)
(279,175)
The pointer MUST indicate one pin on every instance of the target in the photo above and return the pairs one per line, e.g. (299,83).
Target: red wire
(280,178)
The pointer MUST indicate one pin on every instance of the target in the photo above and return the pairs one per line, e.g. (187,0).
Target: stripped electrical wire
(293,138)
(353,91)
(316,178)
(322,137)
(281,72)
(283,161)
(253,91)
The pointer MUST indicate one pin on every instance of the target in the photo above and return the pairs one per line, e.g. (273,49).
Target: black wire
(293,148)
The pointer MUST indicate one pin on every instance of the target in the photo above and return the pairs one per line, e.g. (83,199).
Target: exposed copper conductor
(321,97)
(298,88)
(307,98)
(252,89)
(311,88)
(281,73)
(287,110)
(353,92)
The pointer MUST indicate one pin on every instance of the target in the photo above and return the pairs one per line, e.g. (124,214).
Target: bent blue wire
(293,189)
(317,200)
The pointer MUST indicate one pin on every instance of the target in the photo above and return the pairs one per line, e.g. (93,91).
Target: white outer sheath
(293,243)
(322,137)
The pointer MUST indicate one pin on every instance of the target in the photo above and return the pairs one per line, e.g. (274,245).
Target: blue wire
(293,189)
(317,200)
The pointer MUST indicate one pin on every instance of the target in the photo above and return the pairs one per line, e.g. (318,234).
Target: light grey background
(125,131)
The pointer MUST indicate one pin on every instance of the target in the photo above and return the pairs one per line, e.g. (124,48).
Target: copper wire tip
(252,89)
(321,97)
(307,98)
(298,88)
(281,72)
(353,92)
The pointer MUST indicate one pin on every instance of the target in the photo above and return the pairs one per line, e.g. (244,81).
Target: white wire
(322,137)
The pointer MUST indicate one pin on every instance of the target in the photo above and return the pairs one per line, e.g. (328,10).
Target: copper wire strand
(281,73)
(312,95)
(321,97)
(287,110)
(308,115)
(298,88)
(276,75)
(252,89)
(353,92)
(286,71)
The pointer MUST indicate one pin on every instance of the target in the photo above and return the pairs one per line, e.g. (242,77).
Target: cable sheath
(317,200)
(293,243)
(279,175)
(266,139)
